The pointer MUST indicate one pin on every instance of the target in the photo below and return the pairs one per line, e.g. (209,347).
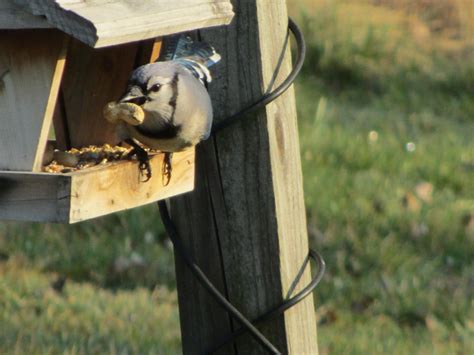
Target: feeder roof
(101,23)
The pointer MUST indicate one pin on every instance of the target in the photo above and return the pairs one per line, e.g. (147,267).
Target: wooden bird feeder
(61,61)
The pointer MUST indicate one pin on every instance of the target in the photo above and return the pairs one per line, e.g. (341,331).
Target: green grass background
(386,116)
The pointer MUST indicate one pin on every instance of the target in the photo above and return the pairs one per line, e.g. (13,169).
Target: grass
(83,319)
(389,120)
(386,121)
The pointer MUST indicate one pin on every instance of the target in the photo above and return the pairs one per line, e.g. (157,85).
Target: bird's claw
(145,170)
(143,160)
(166,169)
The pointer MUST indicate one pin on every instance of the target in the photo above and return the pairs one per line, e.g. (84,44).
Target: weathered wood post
(245,222)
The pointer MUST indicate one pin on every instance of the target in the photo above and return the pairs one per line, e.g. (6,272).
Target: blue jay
(175,110)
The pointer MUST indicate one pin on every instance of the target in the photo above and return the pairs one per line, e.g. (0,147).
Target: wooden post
(245,221)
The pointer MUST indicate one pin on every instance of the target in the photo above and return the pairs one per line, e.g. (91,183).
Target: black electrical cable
(267,98)
(206,283)
(283,306)
(248,326)
(196,270)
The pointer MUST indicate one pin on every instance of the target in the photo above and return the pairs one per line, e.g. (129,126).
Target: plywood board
(94,192)
(34,197)
(31,67)
(119,186)
(92,78)
(100,23)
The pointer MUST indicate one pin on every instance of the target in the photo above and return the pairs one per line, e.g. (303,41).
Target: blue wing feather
(195,56)
(169,48)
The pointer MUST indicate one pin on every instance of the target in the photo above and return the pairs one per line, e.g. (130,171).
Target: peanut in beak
(130,113)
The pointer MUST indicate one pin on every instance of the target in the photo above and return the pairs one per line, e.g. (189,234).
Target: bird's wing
(195,56)
(169,48)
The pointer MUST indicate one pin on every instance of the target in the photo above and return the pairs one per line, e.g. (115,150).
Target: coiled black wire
(316,257)
(247,325)
(269,97)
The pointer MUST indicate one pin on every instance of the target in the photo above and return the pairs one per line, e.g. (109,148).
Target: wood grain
(94,192)
(252,240)
(118,187)
(31,67)
(104,23)
(34,197)
(61,129)
(92,78)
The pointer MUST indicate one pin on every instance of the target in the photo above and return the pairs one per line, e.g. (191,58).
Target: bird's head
(154,87)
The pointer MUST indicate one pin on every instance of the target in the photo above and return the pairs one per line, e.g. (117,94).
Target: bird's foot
(145,169)
(143,161)
(167,168)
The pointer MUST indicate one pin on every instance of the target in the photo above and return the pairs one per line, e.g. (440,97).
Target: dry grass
(451,17)
(446,25)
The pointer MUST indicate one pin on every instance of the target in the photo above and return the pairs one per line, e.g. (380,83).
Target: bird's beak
(134,95)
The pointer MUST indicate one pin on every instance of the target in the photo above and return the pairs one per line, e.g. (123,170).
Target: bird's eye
(155,88)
